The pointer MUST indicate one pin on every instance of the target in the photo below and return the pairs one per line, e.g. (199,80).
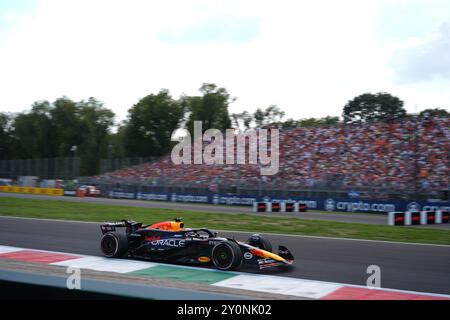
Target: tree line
(66,128)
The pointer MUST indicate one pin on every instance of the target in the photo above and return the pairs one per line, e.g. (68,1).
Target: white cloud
(307,57)
(424,58)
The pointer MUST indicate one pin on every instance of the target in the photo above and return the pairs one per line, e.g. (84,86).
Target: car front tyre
(227,255)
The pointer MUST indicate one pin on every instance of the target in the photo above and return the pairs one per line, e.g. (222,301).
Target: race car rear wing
(130,226)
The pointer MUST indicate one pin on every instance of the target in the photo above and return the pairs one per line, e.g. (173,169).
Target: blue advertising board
(325,204)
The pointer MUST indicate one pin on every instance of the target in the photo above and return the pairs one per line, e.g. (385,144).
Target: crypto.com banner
(326,204)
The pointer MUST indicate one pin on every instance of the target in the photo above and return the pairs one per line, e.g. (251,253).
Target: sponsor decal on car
(248,255)
(152,238)
(204,259)
(265,261)
(169,243)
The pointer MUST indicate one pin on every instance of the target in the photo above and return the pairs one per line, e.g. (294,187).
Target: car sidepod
(174,247)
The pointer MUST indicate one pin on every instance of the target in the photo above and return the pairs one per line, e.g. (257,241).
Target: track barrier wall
(324,204)
(279,207)
(292,204)
(415,217)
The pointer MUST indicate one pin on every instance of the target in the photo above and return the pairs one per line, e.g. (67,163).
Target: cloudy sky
(308,57)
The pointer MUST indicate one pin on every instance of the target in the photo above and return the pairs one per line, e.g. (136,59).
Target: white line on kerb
(252,232)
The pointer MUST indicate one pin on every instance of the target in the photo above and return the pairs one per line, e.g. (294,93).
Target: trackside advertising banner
(326,204)
(33,190)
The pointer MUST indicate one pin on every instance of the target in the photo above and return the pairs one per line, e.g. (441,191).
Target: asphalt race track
(403,266)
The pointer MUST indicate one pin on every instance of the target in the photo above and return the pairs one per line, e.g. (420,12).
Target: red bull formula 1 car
(170,242)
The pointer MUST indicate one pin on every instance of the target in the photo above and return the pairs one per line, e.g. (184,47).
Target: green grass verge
(81,211)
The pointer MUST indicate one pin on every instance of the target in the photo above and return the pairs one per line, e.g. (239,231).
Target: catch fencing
(47,168)
(108,165)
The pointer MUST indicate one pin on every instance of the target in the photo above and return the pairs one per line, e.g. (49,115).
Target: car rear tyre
(260,242)
(227,255)
(114,244)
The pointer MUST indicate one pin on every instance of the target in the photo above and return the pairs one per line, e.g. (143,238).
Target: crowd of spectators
(407,155)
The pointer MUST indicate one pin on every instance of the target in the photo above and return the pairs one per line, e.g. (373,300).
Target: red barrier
(396,218)
(261,207)
(276,207)
(445,216)
(290,206)
(431,217)
(415,218)
(399,218)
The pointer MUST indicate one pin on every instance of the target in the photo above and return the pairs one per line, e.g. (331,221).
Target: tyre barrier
(414,218)
(288,206)
(276,207)
(442,216)
(260,206)
(418,217)
(427,217)
(396,218)
(302,207)
(445,217)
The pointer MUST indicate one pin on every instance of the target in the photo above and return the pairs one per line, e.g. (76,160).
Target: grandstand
(408,156)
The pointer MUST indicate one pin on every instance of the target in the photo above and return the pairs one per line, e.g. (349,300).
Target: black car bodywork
(189,246)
